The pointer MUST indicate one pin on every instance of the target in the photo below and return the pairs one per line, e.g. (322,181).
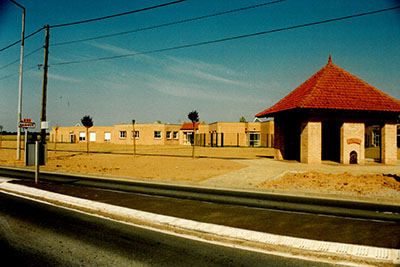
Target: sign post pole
(36,162)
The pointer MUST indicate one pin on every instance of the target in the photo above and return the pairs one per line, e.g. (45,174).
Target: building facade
(218,134)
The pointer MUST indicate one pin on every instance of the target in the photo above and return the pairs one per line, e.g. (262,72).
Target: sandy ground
(148,167)
(237,168)
(346,182)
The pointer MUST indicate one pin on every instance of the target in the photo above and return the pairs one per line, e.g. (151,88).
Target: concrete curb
(327,206)
(389,256)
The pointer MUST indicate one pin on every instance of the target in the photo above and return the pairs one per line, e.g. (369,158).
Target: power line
(16,73)
(94,19)
(17,60)
(169,23)
(116,15)
(229,38)
(26,37)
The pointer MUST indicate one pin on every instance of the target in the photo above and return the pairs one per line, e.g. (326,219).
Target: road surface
(35,234)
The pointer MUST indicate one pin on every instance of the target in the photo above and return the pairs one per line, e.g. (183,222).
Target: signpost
(31,150)
(26,123)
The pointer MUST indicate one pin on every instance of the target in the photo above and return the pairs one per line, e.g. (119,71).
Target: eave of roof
(333,88)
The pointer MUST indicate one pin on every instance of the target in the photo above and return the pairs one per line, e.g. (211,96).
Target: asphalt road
(311,226)
(37,234)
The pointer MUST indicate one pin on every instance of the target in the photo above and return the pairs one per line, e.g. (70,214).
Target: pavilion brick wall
(389,144)
(311,142)
(279,142)
(352,135)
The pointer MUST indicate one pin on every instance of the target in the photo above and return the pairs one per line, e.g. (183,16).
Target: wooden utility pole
(44,87)
(134,137)
(1,134)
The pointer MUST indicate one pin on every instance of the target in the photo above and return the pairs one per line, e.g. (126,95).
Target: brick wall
(310,151)
(352,139)
(389,144)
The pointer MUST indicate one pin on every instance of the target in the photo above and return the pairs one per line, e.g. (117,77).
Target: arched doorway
(353,157)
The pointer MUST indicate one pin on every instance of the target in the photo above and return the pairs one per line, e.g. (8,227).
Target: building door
(254,139)
(71,138)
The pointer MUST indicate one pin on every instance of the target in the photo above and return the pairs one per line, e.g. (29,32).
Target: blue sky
(222,81)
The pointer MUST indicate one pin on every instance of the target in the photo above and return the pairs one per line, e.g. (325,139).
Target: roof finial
(330,59)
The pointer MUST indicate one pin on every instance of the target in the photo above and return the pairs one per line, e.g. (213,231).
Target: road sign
(44,125)
(27,125)
(27,120)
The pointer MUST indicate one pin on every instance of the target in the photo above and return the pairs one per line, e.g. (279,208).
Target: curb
(368,253)
(321,205)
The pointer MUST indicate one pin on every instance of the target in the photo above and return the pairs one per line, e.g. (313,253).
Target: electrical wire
(25,56)
(116,15)
(25,38)
(16,73)
(229,38)
(94,19)
(168,24)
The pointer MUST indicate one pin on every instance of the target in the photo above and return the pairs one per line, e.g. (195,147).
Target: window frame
(156,137)
(107,134)
(169,135)
(82,136)
(122,134)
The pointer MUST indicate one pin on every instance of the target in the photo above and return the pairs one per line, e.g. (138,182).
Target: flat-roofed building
(216,134)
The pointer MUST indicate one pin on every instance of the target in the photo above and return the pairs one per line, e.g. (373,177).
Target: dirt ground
(165,167)
(343,182)
(225,167)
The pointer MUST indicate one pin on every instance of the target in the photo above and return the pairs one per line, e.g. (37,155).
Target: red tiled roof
(334,88)
(189,126)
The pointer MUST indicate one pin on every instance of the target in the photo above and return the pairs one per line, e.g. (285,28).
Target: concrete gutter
(347,254)
(287,202)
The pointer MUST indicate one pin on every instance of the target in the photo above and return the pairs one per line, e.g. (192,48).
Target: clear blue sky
(222,81)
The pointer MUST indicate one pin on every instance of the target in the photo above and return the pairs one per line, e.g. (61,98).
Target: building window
(92,137)
(157,134)
(82,136)
(122,134)
(136,134)
(107,137)
(176,135)
(254,139)
(377,138)
(169,136)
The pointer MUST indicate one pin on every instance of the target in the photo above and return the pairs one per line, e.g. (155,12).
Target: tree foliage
(194,117)
(87,121)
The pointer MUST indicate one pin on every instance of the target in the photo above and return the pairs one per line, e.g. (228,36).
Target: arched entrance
(353,157)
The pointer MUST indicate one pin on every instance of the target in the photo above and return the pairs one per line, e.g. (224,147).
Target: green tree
(87,121)
(193,117)
(242,119)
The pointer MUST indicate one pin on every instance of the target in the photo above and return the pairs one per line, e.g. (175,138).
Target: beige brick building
(215,134)
(328,116)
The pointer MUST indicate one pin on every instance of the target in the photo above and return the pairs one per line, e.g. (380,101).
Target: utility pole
(134,137)
(1,134)
(21,63)
(44,91)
